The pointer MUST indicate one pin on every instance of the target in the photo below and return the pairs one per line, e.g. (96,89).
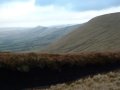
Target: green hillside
(31,39)
(101,33)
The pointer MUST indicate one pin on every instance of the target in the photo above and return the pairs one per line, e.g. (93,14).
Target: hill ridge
(99,34)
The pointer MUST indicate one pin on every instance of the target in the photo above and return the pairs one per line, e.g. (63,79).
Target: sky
(31,13)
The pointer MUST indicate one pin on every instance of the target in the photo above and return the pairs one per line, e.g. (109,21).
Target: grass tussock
(106,81)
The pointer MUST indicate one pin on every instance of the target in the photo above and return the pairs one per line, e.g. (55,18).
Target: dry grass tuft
(107,81)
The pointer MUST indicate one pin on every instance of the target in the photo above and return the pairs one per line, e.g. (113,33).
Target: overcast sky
(29,13)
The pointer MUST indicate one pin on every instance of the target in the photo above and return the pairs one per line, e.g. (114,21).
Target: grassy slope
(99,34)
(17,61)
(106,81)
(30,70)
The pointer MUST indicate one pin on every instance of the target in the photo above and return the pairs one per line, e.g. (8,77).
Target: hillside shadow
(15,80)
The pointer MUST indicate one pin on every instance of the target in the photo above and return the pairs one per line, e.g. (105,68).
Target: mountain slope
(101,33)
(30,39)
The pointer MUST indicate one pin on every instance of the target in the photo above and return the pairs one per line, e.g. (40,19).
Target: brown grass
(30,70)
(19,61)
(107,81)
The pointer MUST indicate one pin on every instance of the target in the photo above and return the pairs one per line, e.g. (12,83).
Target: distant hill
(31,39)
(101,33)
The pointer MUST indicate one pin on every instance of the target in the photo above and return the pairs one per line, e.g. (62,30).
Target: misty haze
(59,45)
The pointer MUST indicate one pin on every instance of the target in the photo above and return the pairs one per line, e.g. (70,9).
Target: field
(20,71)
